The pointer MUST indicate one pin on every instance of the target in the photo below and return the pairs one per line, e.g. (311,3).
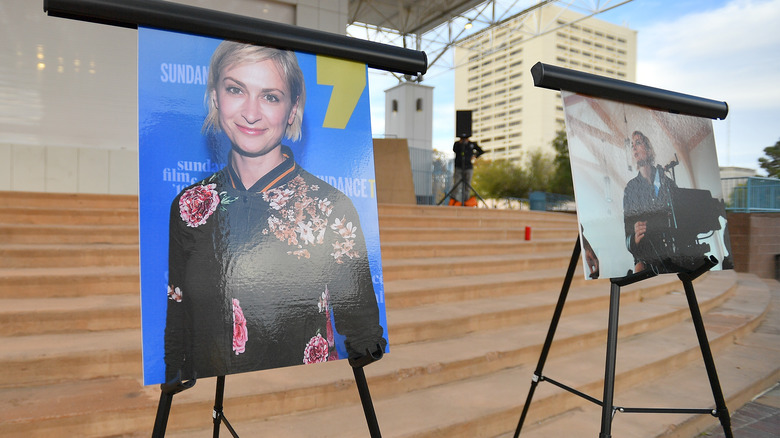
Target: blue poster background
(172,75)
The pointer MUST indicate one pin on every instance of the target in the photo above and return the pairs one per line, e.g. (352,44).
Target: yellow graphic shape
(348,79)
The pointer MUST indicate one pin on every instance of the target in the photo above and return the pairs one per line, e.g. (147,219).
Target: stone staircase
(468,301)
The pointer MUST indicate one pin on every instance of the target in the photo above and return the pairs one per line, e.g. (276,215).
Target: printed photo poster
(647,186)
(258,220)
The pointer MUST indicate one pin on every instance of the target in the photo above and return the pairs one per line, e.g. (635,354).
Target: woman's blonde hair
(230,53)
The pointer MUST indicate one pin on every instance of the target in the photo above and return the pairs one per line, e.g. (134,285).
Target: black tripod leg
(218,408)
(709,363)
(609,368)
(575,256)
(452,190)
(167,391)
(163,410)
(365,399)
(219,414)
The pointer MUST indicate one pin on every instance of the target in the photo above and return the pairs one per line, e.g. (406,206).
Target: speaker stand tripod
(465,188)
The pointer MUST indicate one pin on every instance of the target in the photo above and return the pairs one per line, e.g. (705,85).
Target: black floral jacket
(265,277)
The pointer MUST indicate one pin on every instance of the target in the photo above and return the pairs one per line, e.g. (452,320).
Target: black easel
(167,391)
(608,409)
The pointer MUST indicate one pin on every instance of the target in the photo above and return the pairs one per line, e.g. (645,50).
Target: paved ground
(757,419)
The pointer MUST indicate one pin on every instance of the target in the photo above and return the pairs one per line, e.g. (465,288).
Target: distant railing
(545,201)
(751,194)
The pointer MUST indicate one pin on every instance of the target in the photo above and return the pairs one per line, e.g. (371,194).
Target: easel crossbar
(573,391)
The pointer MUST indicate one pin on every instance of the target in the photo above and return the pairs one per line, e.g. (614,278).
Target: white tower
(409,115)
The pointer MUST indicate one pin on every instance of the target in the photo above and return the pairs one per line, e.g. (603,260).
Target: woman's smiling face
(255,106)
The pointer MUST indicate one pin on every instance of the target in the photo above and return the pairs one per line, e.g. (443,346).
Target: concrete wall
(755,242)
(68,106)
(393,171)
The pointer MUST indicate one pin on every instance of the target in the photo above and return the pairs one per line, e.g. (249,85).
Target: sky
(724,50)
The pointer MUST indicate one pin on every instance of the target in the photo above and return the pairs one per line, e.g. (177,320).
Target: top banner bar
(201,21)
(559,78)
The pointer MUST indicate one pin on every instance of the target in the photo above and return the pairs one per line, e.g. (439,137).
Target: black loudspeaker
(463,123)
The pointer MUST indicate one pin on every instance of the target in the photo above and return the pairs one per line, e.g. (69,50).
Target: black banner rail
(201,21)
(559,78)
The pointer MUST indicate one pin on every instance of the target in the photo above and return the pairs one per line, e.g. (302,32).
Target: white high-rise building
(511,117)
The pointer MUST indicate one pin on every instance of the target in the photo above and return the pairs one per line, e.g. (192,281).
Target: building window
(419,105)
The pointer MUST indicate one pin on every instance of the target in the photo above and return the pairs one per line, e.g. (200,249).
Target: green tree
(440,174)
(771,163)
(561,180)
(499,179)
(540,172)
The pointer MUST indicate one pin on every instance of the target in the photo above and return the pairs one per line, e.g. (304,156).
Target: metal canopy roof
(408,16)
(435,26)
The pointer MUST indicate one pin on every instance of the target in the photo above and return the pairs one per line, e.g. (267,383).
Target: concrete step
(68,282)
(445,320)
(69,216)
(409,373)
(68,255)
(432,211)
(443,234)
(67,200)
(489,405)
(515,221)
(68,234)
(421,268)
(36,316)
(52,358)
(400,250)
(417,292)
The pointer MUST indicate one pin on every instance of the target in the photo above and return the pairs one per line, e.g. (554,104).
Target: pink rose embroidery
(174,293)
(240,334)
(316,350)
(197,204)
